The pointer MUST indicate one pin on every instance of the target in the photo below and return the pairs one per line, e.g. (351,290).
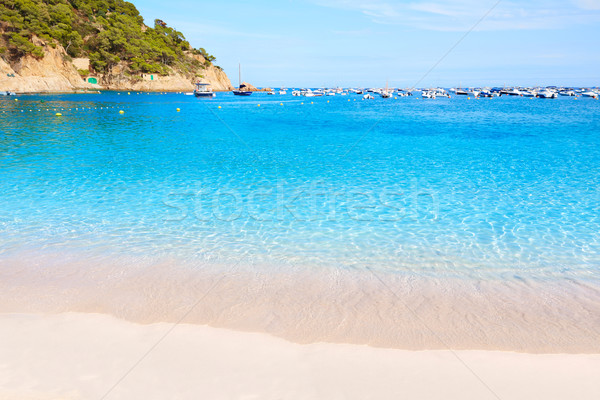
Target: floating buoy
(259,105)
(328,101)
(219,106)
(178,110)
(395,98)
(128,92)
(280,104)
(121,112)
(16,99)
(468,98)
(58,114)
(312,102)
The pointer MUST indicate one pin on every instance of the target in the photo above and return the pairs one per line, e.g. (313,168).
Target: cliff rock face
(56,72)
(252,88)
(217,78)
(53,73)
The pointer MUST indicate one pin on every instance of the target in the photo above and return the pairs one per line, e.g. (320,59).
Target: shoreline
(97,91)
(85,356)
(310,305)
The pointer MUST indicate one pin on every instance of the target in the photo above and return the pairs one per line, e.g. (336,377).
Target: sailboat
(242,89)
(386,93)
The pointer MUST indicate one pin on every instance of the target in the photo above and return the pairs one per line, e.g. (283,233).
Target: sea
(497,197)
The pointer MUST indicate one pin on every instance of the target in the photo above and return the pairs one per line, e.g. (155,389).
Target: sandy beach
(92,356)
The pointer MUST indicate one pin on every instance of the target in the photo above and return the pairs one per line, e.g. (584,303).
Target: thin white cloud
(460,15)
(588,4)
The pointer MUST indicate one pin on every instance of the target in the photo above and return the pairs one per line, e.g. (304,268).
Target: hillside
(66,45)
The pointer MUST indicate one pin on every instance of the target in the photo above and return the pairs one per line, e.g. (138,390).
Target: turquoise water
(503,187)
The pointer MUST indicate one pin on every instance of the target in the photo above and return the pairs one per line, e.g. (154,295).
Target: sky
(348,43)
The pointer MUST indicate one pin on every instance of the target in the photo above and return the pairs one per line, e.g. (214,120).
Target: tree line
(106,31)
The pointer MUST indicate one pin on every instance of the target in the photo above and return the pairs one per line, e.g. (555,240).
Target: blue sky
(364,43)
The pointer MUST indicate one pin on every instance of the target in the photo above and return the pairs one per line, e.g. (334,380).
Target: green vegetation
(107,31)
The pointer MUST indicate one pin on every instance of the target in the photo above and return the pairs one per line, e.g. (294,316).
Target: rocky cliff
(52,73)
(73,45)
(56,72)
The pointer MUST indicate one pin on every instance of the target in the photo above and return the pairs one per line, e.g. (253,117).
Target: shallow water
(502,189)
(489,186)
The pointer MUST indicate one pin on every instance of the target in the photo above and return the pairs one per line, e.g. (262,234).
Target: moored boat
(547,94)
(590,93)
(242,89)
(203,90)
(567,93)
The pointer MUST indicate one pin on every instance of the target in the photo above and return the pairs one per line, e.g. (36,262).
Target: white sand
(81,356)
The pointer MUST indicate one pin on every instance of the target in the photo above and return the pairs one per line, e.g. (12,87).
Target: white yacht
(547,94)
(203,90)
(590,93)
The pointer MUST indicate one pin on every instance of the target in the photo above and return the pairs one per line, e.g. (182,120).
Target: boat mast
(240,75)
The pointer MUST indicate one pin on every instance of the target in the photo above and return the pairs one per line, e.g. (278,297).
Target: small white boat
(368,97)
(271,92)
(528,93)
(282,91)
(547,94)
(590,93)
(567,93)
(203,90)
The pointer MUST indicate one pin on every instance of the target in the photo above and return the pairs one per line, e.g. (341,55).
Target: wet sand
(308,305)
